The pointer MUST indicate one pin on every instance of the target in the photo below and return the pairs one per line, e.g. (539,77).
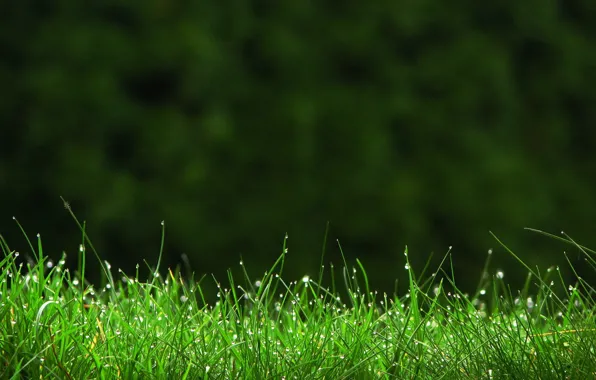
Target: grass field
(55,325)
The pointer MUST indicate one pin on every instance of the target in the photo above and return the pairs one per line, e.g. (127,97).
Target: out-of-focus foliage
(421,122)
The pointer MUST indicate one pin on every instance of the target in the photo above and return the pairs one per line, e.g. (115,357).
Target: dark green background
(424,123)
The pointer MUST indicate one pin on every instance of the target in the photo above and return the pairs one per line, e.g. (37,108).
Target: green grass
(53,324)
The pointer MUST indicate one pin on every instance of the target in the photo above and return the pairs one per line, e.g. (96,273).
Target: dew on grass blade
(500,274)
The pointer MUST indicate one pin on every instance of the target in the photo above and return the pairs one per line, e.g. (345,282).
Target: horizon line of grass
(53,324)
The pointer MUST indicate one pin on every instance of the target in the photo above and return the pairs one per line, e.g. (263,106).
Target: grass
(53,324)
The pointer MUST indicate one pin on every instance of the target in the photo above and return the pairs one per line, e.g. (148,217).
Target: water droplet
(500,274)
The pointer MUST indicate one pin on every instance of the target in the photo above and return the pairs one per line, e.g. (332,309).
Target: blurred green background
(418,123)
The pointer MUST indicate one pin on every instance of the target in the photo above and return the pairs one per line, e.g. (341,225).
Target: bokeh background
(418,123)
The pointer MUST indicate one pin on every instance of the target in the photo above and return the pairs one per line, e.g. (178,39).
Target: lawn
(54,324)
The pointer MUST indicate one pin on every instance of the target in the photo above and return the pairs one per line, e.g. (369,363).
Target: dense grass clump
(54,324)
